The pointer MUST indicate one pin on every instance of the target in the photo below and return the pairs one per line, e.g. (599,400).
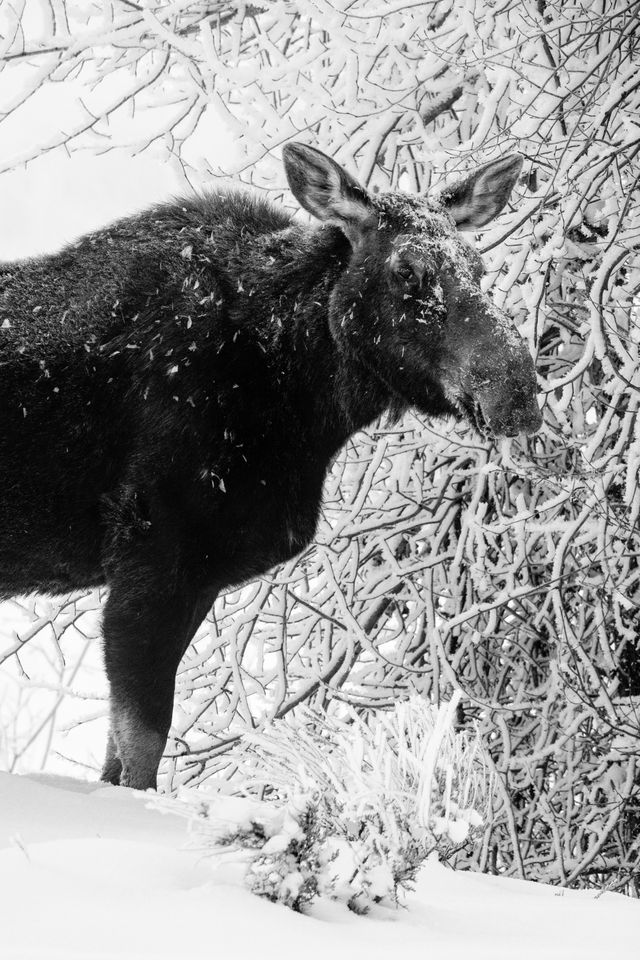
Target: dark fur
(172,390)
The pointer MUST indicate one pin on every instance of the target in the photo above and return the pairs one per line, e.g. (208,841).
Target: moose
(174,386)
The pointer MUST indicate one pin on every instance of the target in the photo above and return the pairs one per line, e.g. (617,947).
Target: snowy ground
(91,872)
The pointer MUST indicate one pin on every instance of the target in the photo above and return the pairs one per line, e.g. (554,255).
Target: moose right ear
(480,197)
(326,191)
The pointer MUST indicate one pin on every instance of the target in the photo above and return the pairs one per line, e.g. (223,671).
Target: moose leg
(147,628)
(111,768)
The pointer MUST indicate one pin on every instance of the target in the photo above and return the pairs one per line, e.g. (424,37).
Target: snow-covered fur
(174,386)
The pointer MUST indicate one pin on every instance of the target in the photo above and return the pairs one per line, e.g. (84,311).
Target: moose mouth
(509,422)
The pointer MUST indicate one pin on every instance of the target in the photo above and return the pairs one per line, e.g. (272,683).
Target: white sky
(57,197)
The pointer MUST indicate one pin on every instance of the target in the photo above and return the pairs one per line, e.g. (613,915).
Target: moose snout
(512,415)
(502,391)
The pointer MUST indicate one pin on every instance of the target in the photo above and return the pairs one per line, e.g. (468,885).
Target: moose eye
(405,272)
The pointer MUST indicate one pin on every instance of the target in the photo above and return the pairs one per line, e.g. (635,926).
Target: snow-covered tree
(442,562)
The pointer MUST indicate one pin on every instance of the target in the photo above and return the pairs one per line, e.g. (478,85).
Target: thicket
(508,572)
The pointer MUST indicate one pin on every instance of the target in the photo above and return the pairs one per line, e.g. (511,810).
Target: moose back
(173,388)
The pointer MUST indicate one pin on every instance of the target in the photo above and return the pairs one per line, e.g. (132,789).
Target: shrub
(348,805)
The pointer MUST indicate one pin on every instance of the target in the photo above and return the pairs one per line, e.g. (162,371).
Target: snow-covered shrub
(350,805)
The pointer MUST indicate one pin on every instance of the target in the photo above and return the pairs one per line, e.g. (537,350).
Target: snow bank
(89,872)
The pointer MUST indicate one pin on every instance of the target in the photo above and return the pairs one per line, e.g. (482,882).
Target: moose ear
(479,198)
(326,191)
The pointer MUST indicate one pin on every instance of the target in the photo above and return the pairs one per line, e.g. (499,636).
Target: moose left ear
(480,197)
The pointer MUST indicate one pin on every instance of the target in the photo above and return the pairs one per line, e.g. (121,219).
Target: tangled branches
(511,573)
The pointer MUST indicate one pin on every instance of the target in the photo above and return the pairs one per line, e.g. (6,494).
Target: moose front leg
(147,627)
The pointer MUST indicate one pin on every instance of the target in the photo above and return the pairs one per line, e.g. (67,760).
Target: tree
(510,572)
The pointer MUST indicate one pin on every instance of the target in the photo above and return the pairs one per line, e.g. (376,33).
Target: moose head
(410,303)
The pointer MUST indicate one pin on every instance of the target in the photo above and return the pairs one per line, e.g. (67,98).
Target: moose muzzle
(499,391)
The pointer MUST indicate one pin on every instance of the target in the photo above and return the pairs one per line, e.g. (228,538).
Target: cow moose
(173,388)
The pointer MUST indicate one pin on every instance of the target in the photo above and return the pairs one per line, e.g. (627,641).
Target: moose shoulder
(174,386)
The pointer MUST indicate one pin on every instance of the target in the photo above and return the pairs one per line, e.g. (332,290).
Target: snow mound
(89,872)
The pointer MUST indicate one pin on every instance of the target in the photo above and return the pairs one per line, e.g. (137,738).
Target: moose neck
(336,393)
